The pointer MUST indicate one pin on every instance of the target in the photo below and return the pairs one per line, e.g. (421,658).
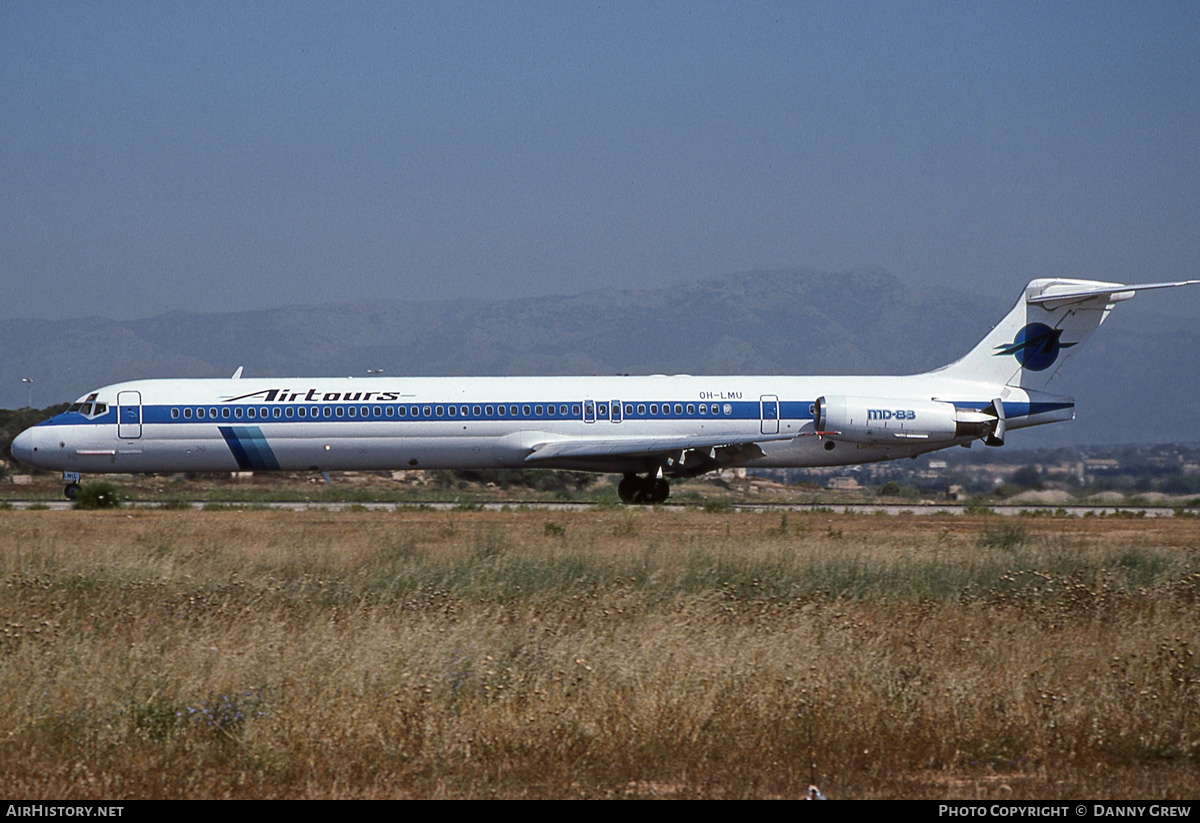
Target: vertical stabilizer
(1051,320)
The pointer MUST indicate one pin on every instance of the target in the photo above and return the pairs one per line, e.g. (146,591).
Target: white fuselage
(611,424)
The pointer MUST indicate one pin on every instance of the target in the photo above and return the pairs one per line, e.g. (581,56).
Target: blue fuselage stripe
(249,447)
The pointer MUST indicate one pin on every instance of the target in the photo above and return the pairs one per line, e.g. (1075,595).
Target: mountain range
(1134,382)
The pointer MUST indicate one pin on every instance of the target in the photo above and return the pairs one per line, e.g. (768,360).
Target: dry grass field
(669,653)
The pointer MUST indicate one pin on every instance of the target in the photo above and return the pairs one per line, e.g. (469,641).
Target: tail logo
(1036,346)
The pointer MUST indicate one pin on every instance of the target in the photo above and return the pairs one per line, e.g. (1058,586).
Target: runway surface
(860,508)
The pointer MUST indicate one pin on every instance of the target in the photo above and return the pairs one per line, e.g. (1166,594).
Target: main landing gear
(643,490)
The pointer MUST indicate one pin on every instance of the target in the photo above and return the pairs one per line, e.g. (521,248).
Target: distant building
(843,483)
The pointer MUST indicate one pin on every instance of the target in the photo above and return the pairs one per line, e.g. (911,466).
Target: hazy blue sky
(217,156)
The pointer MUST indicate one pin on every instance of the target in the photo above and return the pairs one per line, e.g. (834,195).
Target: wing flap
(600,447)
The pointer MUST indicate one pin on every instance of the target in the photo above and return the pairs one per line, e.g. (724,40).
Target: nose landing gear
(643,490)
(71,489)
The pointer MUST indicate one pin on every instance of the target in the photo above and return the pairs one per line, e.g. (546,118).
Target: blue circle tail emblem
(1036,346)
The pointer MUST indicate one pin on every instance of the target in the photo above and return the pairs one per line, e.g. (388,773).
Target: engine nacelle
(885,420)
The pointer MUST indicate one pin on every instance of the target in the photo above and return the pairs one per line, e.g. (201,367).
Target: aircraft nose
(25,446)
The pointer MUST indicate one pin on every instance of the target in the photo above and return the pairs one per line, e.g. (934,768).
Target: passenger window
(187,414)
(402,411)
(339,411)
(225,412)
(353,411)
(237,412)
(537,410)
(327,412)
(691,409)
(288,412)
(679,408)
(525,410)
(654,408)
(276,413)
(563,409)
(628,409)
(703,408)
(476,410)
(199,413)
(440,411)
(174,414)
(453,412)
(575,409)
(428,411)
(728,409)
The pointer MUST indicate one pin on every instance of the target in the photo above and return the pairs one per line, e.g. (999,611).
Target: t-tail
(1051,321)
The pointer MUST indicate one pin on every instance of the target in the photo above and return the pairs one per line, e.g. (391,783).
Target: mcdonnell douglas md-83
(648,429)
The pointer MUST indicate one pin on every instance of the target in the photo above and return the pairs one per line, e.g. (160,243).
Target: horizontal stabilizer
(1061,294)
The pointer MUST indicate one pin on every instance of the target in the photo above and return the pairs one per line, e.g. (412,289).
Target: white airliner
(647,428)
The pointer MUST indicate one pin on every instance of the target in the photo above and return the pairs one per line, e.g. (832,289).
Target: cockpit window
(88,406)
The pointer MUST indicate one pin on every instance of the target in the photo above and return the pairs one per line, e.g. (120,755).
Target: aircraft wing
(602,447)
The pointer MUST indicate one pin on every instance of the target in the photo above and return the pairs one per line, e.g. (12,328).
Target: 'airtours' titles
(315,396)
